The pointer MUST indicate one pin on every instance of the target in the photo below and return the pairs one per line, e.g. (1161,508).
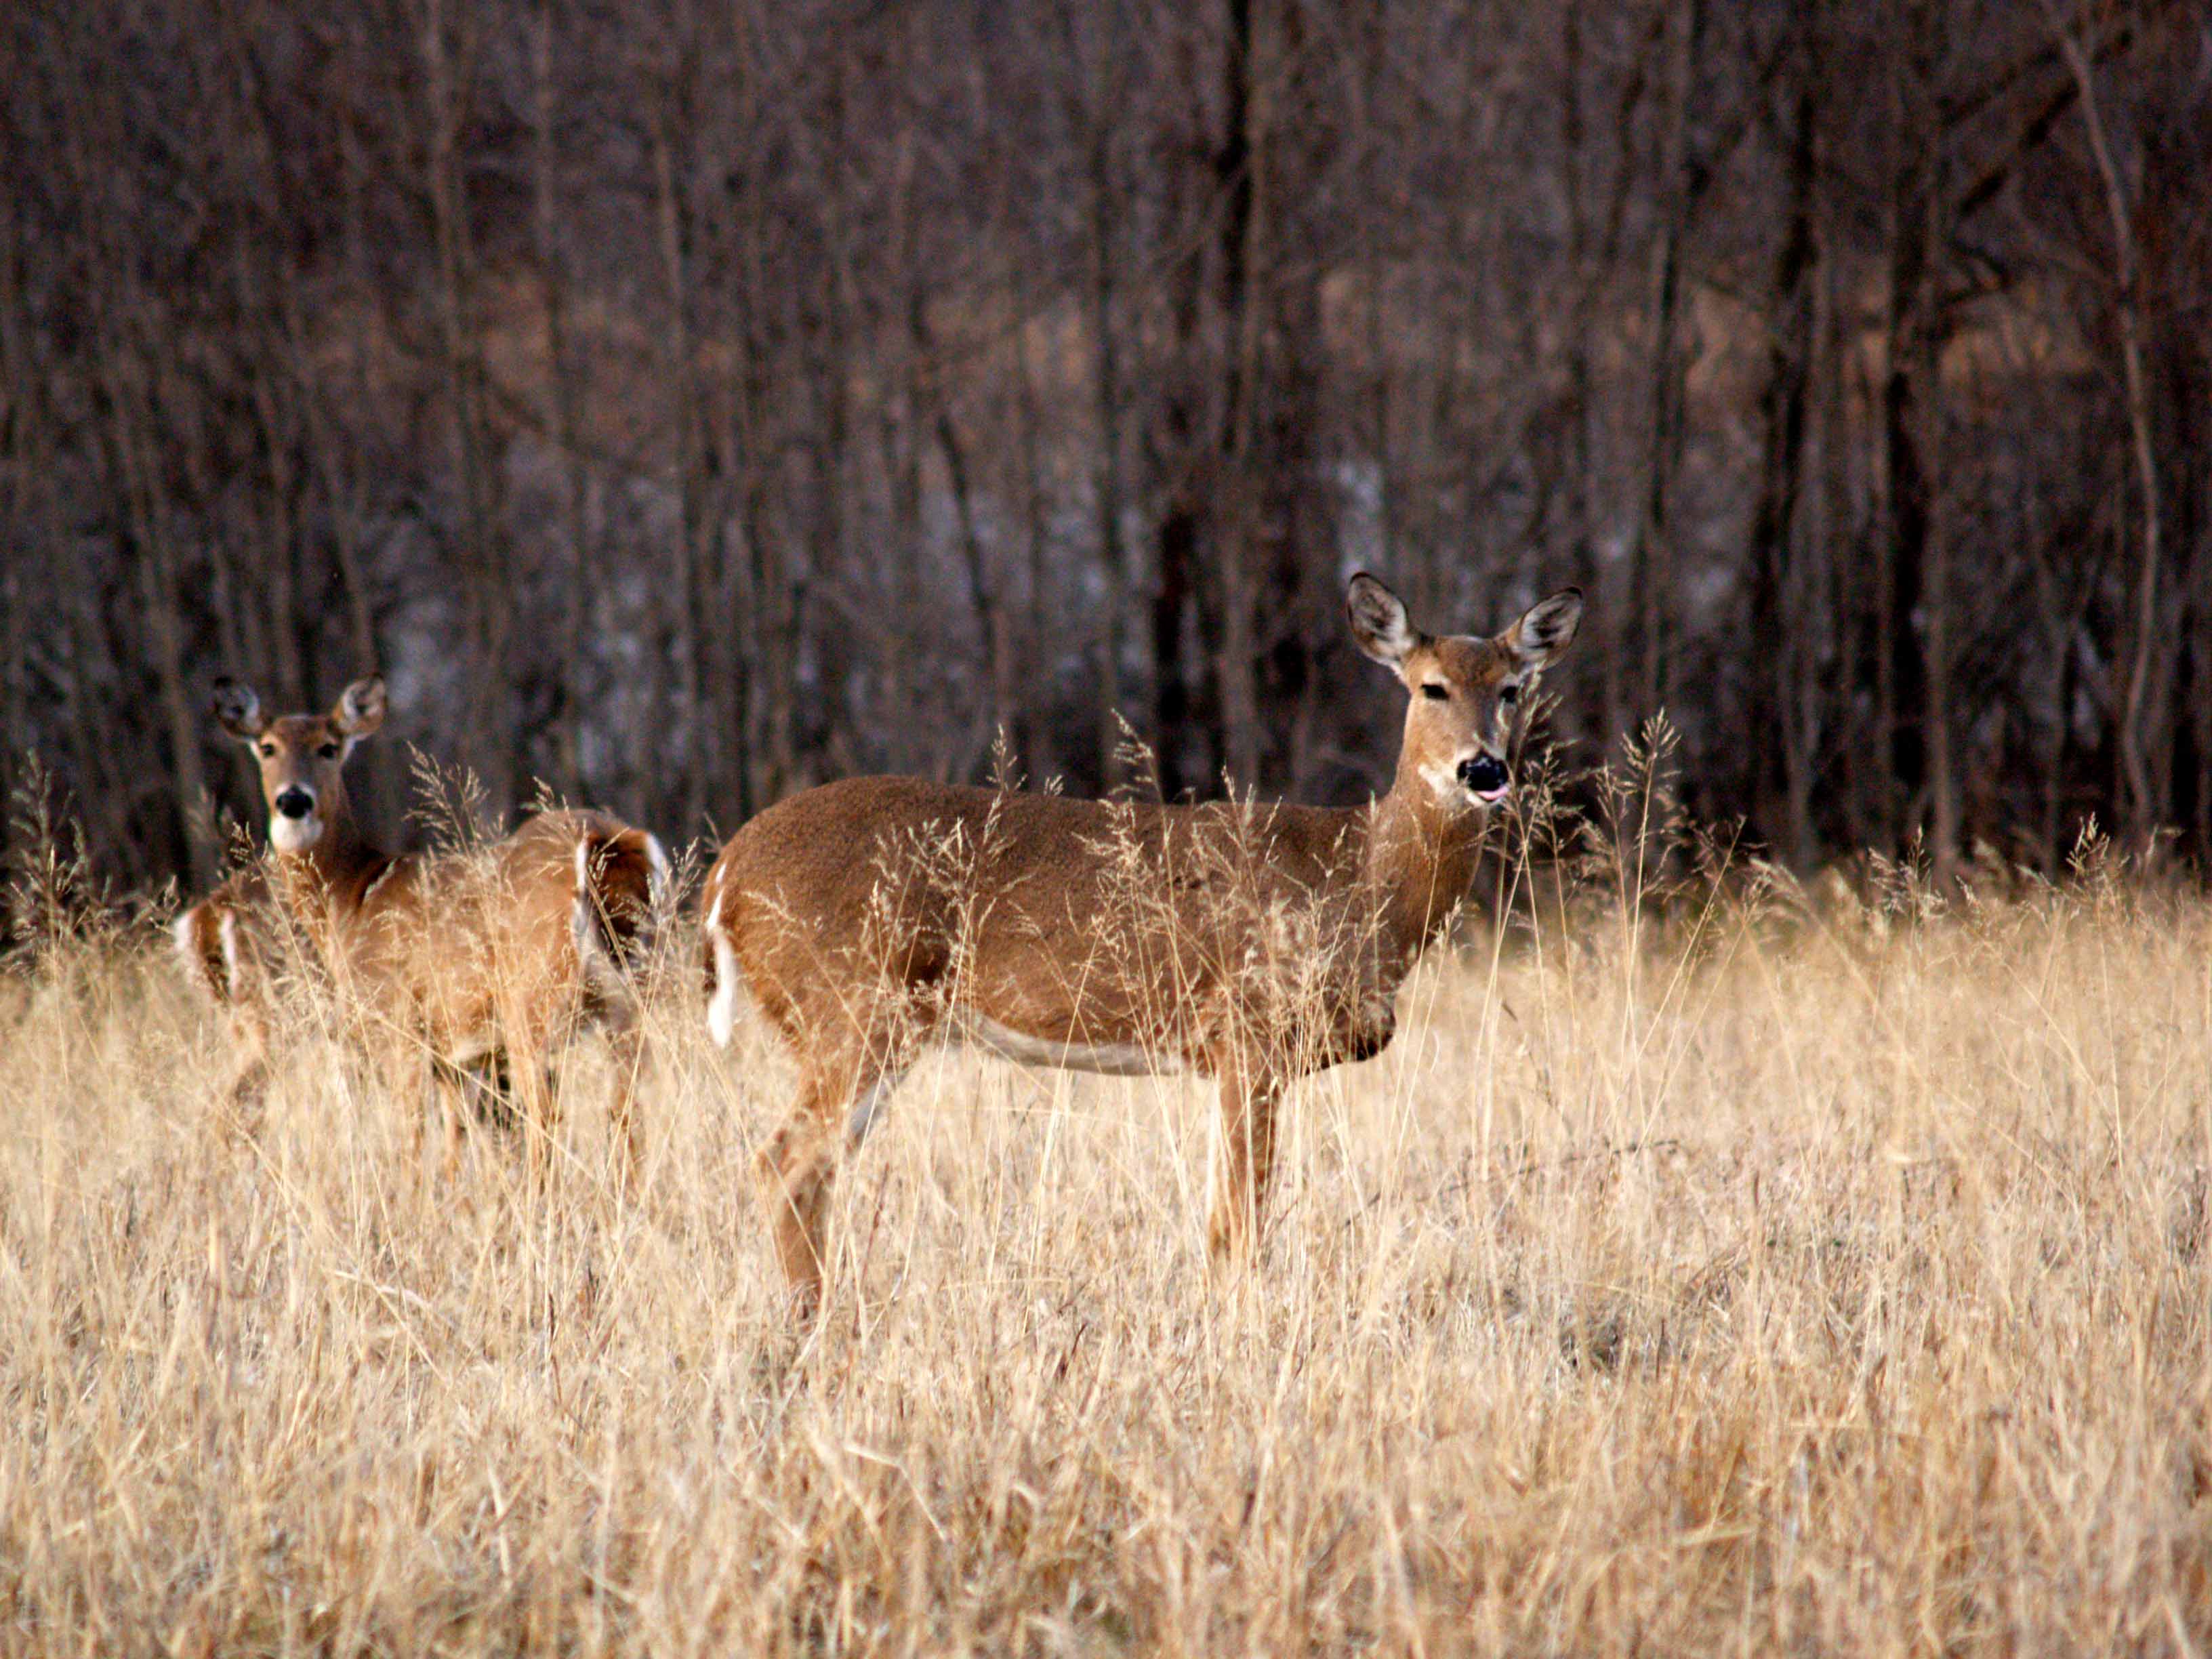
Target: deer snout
(1484,775)
(295,802)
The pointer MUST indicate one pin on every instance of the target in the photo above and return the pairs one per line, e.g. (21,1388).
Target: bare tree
(690,408)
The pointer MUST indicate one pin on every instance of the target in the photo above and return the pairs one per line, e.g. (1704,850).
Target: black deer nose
(295,803)
(1483,773)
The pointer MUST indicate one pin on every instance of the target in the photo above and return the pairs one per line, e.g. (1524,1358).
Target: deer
(482,964)
(1246,943)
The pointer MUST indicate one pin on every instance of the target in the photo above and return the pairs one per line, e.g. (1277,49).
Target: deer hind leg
(796,1167)
(485,1088)
(1243,1163)
(468,1095)
(404,1064)
(537,1097)
(531,1023)
(838,1100)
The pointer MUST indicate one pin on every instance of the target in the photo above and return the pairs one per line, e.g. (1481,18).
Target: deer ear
(359,708)
(1379,623)
(1546,628)
(237,710)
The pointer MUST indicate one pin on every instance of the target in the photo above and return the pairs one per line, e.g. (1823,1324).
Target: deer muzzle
(294,826)
(1484,775)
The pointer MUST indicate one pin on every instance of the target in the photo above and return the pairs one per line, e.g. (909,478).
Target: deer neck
(324,881)
(1420,861)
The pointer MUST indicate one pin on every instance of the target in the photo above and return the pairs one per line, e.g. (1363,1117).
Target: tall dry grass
(1733,1275)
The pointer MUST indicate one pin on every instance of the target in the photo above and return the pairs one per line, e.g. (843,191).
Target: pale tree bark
(1039,756)
(265,282)
(765,642)
(1653,571)
(561,395)
(669,140)
(1774,717)
(152,558)
(1907,698)
(1186,445)
(344,489)
(901,429)
(1099,90)
(1241,173)
(123,344)
(440,41)
(2142,805)
(1581,418)
(25,461)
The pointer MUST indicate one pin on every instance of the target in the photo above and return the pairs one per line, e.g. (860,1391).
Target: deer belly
(1114,1058)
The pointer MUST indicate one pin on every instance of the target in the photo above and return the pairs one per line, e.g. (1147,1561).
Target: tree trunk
(1905,686)
(1772,714)
(1237,176)
(487,591)
(672,139)
(1106,481)
(2142,803)
(570,680)
(1653,577)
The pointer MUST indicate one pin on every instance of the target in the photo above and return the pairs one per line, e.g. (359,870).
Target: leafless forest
(683,402)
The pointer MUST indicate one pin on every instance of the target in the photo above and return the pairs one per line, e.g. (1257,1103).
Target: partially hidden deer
(1251,944)
(473,964)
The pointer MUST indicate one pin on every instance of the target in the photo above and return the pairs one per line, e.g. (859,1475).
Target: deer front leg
(248,1088)
(1243,1163)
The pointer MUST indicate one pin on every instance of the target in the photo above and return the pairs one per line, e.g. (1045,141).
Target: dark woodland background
(688,400)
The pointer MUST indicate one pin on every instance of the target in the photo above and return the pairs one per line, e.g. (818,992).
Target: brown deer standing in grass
(479,963)
(1251,944)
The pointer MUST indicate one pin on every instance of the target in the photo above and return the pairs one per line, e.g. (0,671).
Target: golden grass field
(1765,1277)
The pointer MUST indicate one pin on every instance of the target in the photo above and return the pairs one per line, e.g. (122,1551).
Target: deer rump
(515,946)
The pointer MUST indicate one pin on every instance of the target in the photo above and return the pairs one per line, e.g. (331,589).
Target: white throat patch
(1443,778)
(295,835)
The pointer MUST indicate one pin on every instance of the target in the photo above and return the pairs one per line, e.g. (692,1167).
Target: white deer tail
(723,976)
(621,893)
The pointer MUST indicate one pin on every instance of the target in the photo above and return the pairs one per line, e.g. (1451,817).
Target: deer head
(1467,692)
(302,755)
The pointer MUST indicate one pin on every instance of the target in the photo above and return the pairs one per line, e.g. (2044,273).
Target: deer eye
(328,751)
(268,751)
(1438,693)
(1509,694)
